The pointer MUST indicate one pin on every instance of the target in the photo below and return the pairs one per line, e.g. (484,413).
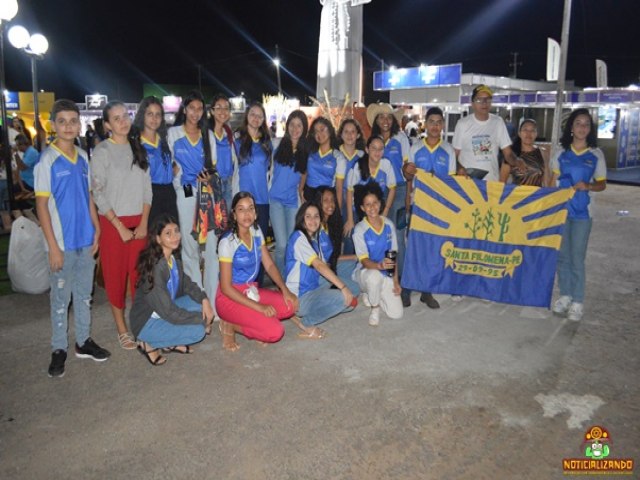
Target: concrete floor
(474,390)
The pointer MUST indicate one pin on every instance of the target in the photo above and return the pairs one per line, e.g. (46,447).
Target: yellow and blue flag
(484,239)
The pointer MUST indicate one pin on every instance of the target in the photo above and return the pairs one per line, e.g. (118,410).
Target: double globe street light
(35,46)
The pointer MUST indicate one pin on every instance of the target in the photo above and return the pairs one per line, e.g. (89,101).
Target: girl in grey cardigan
(170,312)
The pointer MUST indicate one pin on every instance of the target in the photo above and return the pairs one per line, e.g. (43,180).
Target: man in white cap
(480,136)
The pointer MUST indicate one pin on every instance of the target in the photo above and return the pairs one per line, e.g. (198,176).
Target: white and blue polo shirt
(189,155)
(384,175)
(245,259)
(572,167)
(371,243)
(300,254)
(224,155)
(65,181)
(439,159)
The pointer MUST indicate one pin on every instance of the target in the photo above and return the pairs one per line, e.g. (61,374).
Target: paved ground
(475,390)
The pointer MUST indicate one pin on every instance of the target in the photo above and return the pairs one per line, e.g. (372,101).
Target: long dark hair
(363,161)
(181,116)
(139,152)
(233,223)
(138,123)
(333,138)
(284,154)
(300,222)
(517,143)
(245,138)
(361,191)
(567,136)
(395,127)
(334,224)
(152,253)
(360,140)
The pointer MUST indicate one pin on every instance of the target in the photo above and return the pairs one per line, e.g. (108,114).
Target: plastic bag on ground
(28,262)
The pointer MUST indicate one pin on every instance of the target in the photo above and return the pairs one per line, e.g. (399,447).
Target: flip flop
(314,334)
(179,349)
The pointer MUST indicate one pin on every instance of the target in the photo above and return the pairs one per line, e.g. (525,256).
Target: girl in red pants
(241,305)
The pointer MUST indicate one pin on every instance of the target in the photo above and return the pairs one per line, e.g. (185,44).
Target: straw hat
(376,109)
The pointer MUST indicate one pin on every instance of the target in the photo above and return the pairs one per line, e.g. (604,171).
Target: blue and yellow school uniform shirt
(245,259)
(572,167)
(439,159)
(396,150)
(189,155)
(30,159)
(284,185)
(252,172)
(383,175)
(371,243)
(160,167)
(224,156)
(300,254)
(325,244)
(323,168)
(65,181)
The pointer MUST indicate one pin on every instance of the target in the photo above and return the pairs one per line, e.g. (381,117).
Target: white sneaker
(365,300)
(562,304)
(374,317)
(456,298)
(575,312)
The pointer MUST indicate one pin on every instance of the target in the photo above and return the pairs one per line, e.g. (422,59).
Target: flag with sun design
(484,239)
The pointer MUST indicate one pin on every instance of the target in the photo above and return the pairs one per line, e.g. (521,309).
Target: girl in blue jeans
(305,265)
(170,312)
(581,166)
(288,164)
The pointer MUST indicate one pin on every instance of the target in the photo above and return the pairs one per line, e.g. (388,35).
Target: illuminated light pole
(35,46)
(8,10)
(276,62)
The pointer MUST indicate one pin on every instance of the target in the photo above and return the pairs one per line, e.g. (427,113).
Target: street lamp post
(276,62)
(35,46)
(8,10)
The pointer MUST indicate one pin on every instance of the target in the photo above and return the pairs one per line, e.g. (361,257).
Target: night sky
(113,47)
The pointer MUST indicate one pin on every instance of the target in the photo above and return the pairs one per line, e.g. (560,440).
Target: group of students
(337,204)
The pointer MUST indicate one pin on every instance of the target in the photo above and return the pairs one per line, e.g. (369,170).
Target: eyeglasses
(256,115)
(483,100)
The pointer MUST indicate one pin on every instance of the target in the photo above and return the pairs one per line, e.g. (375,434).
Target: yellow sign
(478,262)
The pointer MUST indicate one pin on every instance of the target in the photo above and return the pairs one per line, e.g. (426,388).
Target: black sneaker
(56,367)
(405,295)
(91,350)
(427,298)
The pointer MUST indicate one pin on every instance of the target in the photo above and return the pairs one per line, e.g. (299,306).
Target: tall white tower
(340,49)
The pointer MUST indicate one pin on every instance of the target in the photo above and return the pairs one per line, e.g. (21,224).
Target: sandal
(228,344)
(156,362)
(126,341)
(314,334)
(183,349)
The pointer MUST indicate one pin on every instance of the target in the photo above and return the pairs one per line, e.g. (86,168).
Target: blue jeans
(75,278)
(398,203)
(573,250)
(227,192)
(345,270)
(283,220)
(320,305)
(161,334)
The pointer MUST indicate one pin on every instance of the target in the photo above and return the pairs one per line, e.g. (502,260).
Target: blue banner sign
(418,77)
(12,100)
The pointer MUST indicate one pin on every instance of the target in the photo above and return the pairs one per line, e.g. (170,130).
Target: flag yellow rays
(489,219)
